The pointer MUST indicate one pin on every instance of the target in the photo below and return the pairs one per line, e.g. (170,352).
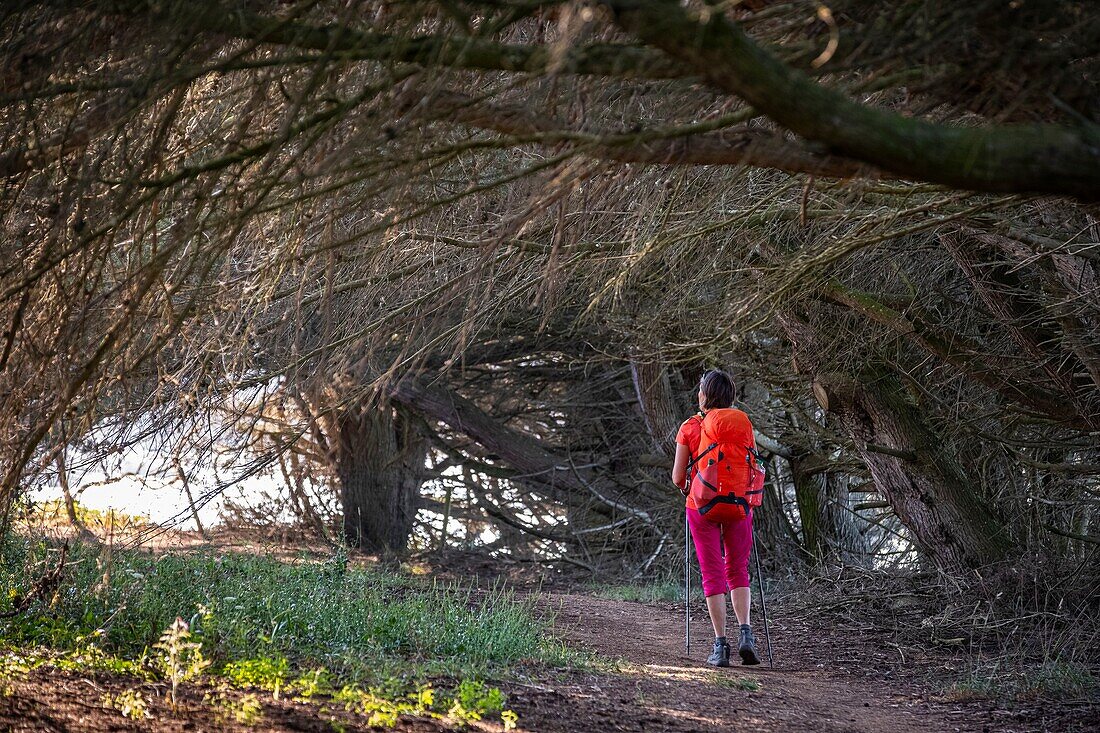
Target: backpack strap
(698,458)
(731,499)
(695,459)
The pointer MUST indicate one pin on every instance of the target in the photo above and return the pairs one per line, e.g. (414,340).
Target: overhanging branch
(755,148)
(955,349)
(235,19)
(1002,158)
(525,454)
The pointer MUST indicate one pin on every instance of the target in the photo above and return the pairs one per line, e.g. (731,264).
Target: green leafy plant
(11,669)
(246,709)
(384,705)
(88,656)
(181,659)
(384,711)
(130,703)
(475,695)
(316,681)
(15,665)
(473,700)
(268,673)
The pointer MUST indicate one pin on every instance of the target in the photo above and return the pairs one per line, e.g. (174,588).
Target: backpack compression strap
(695,460)
(731,499)
(719,499)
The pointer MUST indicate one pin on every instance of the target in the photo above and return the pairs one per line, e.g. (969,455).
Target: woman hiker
(732,539)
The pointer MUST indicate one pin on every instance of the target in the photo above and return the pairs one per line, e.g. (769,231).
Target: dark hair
(717,388)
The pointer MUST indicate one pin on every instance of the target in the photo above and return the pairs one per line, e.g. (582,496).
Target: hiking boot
(747,647)
(720,657)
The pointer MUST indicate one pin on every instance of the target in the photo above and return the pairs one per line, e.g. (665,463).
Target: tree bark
(910,465)
(379,455)
(851,546)
(657,403)
(776,539)
(932,494)
(810,495)
(829,530)
(83,533)
(186,483)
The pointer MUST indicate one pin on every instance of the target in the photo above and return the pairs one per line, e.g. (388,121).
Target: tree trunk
(928,489)
(829,531)
(775,537)
(657,403)
(186,483)
(850,546)
(82,531)
(912,468)
(811,497)
(379,454)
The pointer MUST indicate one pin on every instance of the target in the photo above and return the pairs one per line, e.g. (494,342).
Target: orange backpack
(729,473)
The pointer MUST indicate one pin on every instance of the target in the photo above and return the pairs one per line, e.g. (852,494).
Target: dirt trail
(662,689)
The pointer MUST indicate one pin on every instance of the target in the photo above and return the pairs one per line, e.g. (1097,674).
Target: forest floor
(826,677)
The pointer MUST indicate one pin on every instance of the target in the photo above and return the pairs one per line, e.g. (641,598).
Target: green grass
(745,684)
(383,644)
(1050,679)
(250,612)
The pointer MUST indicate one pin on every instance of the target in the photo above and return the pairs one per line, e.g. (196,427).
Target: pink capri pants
(721,574)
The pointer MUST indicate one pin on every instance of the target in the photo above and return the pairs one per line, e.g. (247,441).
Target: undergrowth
(1001,633)
(1050,679)
(368,637)
(360,623)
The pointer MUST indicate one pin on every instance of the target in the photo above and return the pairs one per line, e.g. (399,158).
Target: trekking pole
(687,585)
(763,606)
